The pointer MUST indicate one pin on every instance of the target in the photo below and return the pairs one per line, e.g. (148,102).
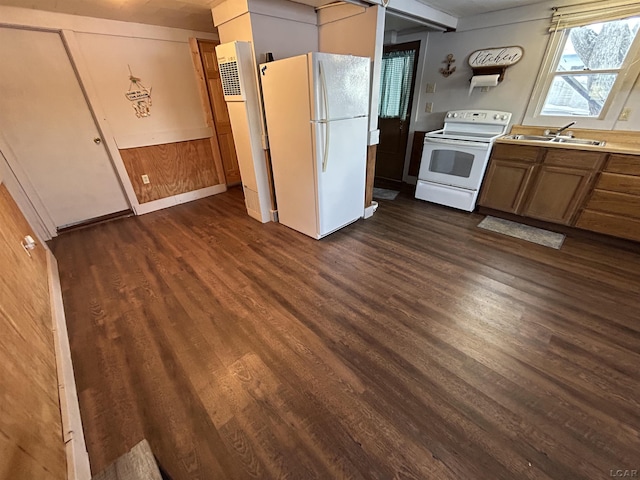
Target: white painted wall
(101,30)
(163,65)
(452,92)
(525,26)
(353,30)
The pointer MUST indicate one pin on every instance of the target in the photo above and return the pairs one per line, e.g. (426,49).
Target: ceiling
(196,14)
(467,8)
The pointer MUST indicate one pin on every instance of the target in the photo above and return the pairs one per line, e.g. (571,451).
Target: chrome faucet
(562,129)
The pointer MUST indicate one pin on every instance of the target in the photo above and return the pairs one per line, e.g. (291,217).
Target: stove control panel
(491,117)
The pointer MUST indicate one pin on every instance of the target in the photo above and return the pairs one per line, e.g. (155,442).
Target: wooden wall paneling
(30,425)
(173,168)
(371,173)
(201,80)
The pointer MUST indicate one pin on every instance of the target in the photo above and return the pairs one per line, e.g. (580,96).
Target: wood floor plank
(409,345)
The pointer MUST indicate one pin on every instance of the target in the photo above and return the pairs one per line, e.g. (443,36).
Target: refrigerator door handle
(325,96)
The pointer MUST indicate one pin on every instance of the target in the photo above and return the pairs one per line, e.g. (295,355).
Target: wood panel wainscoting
(173,168)
(371,173)
(31,442)
(410,345)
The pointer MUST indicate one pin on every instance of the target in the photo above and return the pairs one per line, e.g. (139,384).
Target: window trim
(622,88)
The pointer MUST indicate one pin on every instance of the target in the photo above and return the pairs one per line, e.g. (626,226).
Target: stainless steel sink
(554,139)
(534,138)
(579,141)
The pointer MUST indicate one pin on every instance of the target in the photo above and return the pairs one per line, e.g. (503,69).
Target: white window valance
(592,12)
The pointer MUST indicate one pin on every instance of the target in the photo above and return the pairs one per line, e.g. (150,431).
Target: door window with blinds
(590,65)
(395,84)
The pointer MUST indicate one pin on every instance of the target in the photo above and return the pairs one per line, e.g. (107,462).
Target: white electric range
(454,159)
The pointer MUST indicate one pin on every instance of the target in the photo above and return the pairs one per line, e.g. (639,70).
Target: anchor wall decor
(449,70)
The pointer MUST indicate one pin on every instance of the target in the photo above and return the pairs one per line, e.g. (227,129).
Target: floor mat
(524,232)
(384,194)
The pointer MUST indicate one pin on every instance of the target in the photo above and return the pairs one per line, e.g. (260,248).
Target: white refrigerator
(317,112)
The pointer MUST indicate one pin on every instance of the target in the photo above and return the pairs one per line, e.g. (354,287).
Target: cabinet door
(505,184)
(557,193)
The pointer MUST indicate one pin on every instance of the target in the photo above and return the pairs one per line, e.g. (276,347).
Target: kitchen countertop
(623,142)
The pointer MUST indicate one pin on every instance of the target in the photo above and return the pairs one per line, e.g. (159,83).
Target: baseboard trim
(179,199)
(371,209)
(78,467)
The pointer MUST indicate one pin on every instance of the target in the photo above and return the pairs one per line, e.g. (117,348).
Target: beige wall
(100,51)
(352,30)
(164,66)
(281,27)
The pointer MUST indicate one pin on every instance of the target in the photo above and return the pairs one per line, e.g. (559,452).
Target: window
(587,75)
(395,84)
(588,67)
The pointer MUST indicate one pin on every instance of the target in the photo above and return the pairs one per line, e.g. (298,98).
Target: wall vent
(230,77)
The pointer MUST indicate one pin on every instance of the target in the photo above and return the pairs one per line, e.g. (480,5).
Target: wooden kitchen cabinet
(544,183)
(613,207)
(505,184)
(508,177)
(557,193)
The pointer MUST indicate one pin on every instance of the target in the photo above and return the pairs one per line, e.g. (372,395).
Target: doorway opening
(399,66)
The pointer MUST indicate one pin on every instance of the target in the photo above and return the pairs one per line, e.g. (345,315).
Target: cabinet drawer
(610,224)
(615,182)
(573,158)
(522,153)
(626,164)
(614,202)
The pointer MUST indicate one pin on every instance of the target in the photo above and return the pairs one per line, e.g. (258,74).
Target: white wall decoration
(139,95)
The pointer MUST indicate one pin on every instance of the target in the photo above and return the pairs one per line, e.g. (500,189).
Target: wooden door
(506,184)
(54,146)
(394,130)
(31,443)
(219,111)
(557,193)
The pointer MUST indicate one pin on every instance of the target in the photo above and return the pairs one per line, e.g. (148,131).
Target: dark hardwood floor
(411,345)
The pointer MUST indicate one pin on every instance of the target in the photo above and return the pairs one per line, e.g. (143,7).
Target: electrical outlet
(428,108)
(431,88)
(624,115)
(145,179)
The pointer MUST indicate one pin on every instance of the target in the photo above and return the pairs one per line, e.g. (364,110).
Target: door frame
(410,45)
(31,200)
(203,89)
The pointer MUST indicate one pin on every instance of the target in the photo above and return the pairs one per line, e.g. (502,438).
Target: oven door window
(451,162)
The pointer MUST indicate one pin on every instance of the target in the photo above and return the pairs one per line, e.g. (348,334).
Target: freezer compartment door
(341,164)
(339,86)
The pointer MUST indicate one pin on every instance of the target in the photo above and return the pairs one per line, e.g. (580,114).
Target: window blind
(592,12)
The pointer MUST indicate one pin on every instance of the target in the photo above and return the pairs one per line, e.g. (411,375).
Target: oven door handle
(464,143)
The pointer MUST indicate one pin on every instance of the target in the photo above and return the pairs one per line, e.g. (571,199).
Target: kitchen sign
(496,57)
